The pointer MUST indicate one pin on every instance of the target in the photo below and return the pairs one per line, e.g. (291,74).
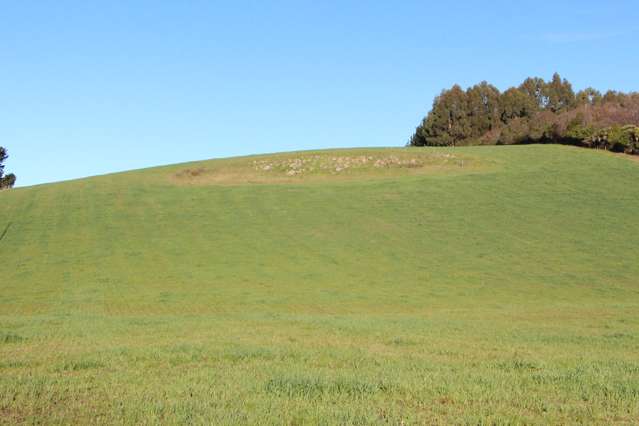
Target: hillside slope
(350,286)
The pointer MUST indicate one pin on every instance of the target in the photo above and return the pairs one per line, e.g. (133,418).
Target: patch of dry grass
(321,166)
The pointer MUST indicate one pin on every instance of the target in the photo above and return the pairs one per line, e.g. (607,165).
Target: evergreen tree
(559,94)
(515,103)
(448,122)
(483,108)
(9,180)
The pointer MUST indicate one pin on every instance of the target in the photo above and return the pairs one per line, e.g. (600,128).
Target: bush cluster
(537,111)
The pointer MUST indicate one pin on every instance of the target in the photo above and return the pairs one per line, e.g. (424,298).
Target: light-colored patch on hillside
(329,165)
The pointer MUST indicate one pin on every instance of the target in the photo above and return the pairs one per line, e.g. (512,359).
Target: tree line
(537,111)
(6,181)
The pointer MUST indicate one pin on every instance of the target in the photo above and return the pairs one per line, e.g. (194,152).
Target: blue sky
(94,87)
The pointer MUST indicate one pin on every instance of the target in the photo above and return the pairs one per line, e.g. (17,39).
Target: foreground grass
(504,291)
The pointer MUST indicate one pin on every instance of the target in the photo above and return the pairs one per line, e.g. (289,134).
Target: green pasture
(480,285)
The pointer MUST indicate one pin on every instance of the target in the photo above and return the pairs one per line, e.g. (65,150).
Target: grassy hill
(494,284)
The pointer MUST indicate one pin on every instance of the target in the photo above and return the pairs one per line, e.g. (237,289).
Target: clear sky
(94,87)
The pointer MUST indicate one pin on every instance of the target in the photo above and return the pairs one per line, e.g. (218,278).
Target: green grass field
(486,285)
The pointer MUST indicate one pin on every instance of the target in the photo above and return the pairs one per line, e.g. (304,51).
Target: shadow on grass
(6,229)
(10,338)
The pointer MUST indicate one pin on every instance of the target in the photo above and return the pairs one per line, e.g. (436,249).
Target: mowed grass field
(485,285)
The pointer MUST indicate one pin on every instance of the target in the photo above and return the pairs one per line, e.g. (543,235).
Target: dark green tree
(558,94)
(483,108)
(447,123)
(515,103)
(9,180)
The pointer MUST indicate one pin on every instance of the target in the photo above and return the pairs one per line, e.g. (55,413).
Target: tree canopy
(537,111)
(6,181)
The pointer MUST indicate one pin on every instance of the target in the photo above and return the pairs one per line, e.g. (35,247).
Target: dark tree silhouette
(535,112)
(9,180)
